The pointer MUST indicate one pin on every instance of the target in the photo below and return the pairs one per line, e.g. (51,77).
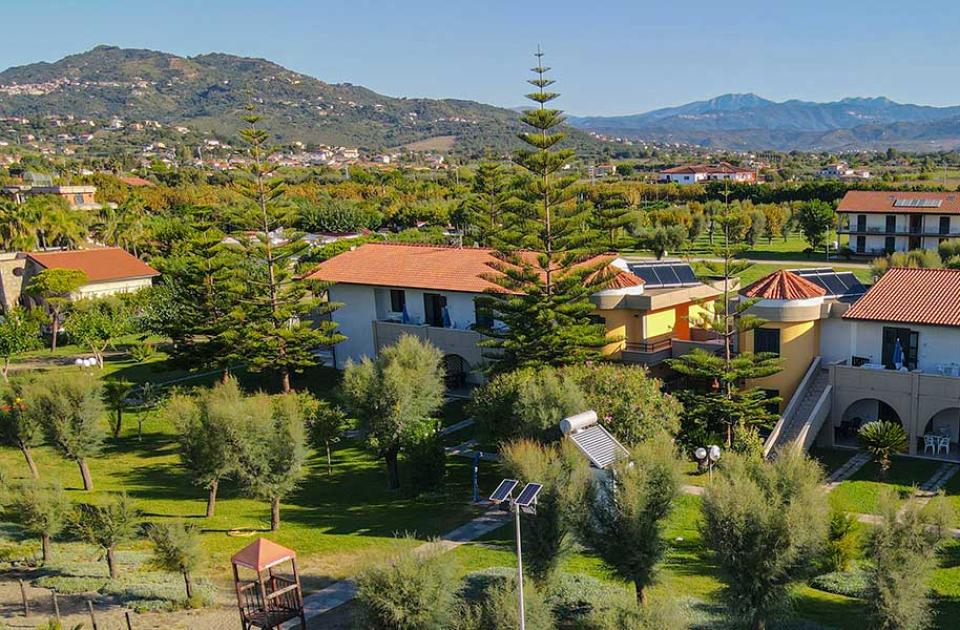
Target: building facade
(879,222)
(701,173)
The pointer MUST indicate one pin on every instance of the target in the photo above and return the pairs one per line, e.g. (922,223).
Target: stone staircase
(803,418)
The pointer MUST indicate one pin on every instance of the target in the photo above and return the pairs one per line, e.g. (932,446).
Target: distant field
(437,143)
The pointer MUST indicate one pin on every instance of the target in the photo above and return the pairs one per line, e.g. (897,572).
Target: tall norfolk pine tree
(543,267)
(273,327)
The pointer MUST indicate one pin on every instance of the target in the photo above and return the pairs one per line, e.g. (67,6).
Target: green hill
(208,92)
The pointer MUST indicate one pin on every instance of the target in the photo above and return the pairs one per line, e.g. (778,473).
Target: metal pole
(516,511)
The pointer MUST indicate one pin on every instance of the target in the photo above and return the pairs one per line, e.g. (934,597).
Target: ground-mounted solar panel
(503,490)
(528,495)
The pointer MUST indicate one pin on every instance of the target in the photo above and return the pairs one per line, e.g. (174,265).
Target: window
(398,299)
(891,223)
(434,305)
(890,244)
(766,340)
(78,199)
(909,344)
(944,225)
(481,316)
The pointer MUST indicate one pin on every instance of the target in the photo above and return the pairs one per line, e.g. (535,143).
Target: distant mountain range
(208,92)
(748,121)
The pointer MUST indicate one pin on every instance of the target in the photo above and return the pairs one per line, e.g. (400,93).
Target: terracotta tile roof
(107,263)
(783,285)
(912,296)
(262,554)
(883,201)
(464,269)
(133,180)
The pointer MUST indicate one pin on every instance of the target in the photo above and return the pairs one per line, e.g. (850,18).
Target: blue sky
(609,57)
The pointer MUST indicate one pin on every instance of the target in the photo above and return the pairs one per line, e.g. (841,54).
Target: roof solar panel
(852,283)
(503,490)
(834,286)
(529,494)
(837,284)
(668,277)
(647,273)
(686,275)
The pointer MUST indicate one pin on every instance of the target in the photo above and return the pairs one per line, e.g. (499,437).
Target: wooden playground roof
(262,554)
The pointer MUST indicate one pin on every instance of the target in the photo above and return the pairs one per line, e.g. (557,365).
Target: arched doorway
(943,424)
(456,370)
(861,412)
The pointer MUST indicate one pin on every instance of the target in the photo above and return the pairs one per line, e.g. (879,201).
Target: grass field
(861,491)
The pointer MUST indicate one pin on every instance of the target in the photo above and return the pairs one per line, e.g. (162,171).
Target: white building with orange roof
(389,289)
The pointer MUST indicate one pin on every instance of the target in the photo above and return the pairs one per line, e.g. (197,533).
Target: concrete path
(855,463)
(341,592)
(457,426)
(466,449)
(943,474)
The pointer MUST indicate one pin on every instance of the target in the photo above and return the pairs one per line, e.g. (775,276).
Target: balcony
(657,349)
(458,341)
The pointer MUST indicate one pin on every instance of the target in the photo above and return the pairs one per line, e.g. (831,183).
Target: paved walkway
(847,470)
(341,592)
(457,426)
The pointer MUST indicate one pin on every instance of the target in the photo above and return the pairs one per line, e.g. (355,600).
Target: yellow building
(659,317)
(791,307)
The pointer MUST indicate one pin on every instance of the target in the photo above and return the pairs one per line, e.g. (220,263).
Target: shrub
(949,249)
(526,403)
(427,464)
(855,583)
(143,352)
(628,400)
(496,608)
(842,543)
(338,216)
(883,438)
(413,591)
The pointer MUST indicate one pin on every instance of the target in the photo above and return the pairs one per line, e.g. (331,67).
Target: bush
(855,583)
(338,216)
(949,249)
(413,591)
(628,400)
(495,608)
(526,403)
(143,352)
(842,543)
(427,463)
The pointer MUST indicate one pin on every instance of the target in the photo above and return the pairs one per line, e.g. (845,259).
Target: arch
(456,369)
(946,421)
(867,409)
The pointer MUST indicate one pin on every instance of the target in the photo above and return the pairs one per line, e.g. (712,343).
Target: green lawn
(860,492)
(334,522)
(831,459)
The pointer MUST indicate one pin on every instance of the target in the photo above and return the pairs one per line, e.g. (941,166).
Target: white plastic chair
(929,442)
(943,443)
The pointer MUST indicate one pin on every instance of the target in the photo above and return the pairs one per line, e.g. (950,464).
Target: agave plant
(882,439)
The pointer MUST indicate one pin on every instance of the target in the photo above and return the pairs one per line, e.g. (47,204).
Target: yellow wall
(660,322)
(799,344)
(622,326)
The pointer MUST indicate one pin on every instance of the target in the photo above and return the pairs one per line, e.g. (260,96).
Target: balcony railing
(650,345)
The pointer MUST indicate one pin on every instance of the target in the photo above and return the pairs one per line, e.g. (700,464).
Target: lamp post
(708,456)
(527,500)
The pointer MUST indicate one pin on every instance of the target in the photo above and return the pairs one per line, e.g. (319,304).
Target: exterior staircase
(806,412)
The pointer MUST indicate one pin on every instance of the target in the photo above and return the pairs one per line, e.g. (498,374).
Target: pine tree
(612,216)
(728,372)
(274,328)
(543,265)
(484,208)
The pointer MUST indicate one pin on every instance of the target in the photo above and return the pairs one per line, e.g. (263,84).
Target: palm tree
(18,226)
(63,226)
(882,439)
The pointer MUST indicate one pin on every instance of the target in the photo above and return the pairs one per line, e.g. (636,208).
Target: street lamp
(708,457)
(526,501)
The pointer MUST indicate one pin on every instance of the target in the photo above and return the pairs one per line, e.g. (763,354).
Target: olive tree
(17,427)
(40,510)
(19,333)
(547,534)
(55,288)
(209,426)
(273,450)
(106,526)
(395,397)
(622,515)
(177,548)
(325,425)
(69,406)
(765,524)
(95,324)
(115,392)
